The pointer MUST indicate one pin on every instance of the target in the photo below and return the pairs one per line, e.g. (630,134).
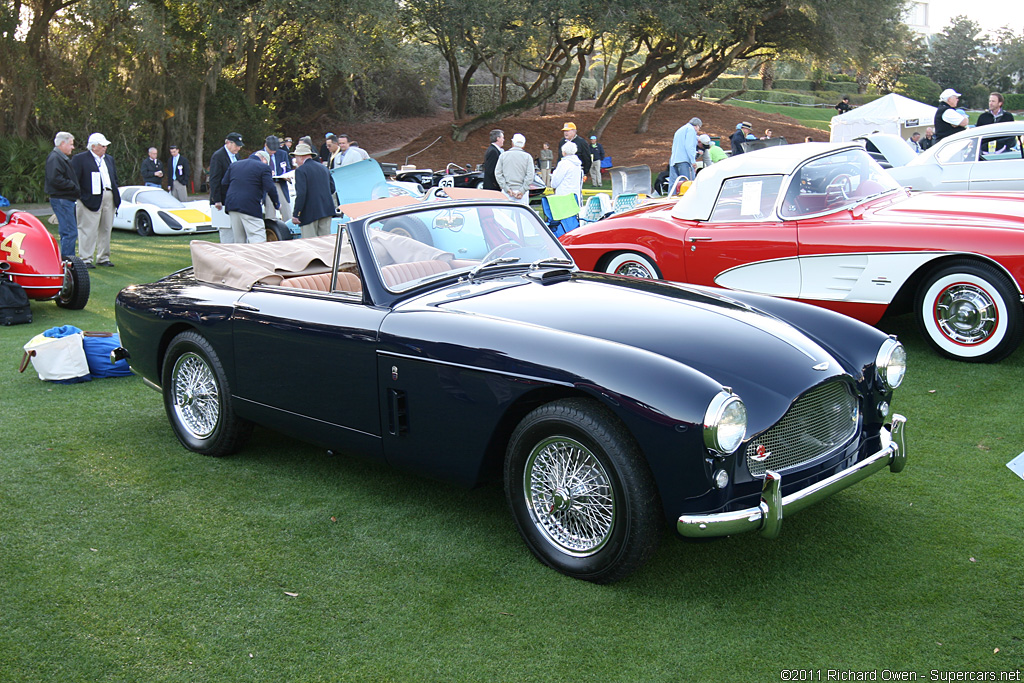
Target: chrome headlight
(725,423)
(891,363)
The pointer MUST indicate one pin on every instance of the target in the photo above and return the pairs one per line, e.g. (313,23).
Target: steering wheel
(499,251)
(838,190)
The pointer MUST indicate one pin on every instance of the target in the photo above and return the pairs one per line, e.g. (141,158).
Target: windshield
(833,182)
(158,198)
(431,243)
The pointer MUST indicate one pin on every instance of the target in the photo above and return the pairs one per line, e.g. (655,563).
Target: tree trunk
(581,58)
(768,75)
(609,114)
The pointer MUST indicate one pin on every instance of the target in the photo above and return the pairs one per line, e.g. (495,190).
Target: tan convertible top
(240,266)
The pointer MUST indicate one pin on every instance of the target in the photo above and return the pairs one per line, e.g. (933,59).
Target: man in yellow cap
(583,149)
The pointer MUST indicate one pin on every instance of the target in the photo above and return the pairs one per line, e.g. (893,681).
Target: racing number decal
(12,245)
(447,181)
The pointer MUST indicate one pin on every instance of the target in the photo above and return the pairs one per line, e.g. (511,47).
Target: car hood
(1002,209)
(754,353)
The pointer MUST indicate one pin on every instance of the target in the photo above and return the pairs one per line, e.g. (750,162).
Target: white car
(152,211)
(980,158)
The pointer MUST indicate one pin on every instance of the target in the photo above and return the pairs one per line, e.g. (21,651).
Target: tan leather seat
(321,282)
(398,274)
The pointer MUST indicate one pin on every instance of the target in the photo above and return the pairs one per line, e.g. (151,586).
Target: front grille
(820,421)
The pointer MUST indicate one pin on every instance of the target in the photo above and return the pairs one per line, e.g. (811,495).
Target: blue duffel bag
(98,346)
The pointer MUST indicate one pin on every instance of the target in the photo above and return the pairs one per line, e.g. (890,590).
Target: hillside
(397,140)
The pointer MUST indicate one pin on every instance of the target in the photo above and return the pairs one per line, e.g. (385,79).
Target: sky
(990,14)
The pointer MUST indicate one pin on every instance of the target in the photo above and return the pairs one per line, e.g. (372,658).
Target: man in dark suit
(583,150)
(245,183)
(279,165)
(94,170)
(152,171)
(219,162)
(314,186)
(494,151)
(177,167)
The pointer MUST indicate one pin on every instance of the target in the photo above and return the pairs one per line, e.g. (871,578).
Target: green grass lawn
(812,117)
(124,557)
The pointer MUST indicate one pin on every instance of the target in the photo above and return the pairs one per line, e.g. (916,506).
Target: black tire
(661,183)
(277,231)
(970,311)
(144,224)
(74,293)
(581,495)
(197,398)
(409,227)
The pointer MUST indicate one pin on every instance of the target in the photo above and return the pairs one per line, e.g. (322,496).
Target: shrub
(776,96)
(1014,101)
(918,87)
(23,169)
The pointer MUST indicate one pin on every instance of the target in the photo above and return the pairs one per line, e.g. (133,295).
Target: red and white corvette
(825,224)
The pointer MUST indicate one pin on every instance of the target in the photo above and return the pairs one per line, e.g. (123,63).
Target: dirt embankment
(395,141)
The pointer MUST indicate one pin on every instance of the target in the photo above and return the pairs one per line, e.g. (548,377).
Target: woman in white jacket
(567,177)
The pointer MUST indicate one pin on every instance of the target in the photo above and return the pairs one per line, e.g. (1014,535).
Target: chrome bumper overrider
(767,517)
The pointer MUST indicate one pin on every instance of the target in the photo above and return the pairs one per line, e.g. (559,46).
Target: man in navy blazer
(246,182)
(97,177)
(314,186)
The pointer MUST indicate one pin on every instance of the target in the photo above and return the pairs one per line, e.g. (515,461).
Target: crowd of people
(84,188)
(84,196)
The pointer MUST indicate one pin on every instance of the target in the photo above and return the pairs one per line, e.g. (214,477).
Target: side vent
(398,416)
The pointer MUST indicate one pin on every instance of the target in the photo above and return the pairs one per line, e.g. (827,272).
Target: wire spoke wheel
(571,499)
(195,395)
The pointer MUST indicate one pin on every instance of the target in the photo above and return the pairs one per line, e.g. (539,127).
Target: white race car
(152,211)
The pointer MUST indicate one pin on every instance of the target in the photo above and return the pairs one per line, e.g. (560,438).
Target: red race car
(30,255)
(825,224)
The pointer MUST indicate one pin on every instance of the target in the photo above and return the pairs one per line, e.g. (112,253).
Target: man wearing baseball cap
(583,150)
(219,162)
(595,168)
(948,119)
(100,198)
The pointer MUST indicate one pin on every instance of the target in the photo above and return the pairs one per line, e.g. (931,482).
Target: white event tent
(892,114)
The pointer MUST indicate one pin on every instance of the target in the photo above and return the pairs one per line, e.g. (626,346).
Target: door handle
(699,239)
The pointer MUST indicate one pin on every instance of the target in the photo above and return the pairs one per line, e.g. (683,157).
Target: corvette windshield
(834,182)
(442,240)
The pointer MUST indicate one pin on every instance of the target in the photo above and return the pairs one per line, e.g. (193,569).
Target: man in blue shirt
(684,152)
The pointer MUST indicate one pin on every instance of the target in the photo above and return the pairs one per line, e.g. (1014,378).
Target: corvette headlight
(725,423)
(891,363)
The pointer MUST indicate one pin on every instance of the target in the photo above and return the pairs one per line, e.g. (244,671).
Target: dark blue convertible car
(458,339)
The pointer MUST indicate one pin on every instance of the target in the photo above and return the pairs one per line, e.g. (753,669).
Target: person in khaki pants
(97,177)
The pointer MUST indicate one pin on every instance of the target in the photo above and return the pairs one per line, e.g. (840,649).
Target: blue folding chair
(561,212)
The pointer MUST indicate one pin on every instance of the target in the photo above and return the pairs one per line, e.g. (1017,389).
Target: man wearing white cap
(514,171)
(100,198)
(948,119)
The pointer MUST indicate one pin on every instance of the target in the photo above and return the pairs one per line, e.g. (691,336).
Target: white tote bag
(56,358)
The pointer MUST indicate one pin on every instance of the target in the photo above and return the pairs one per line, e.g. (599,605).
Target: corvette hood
(733,344)
(1002,209)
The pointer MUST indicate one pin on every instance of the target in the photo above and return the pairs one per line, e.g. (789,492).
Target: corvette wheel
(74,293)
(143,224)
(633,265)
(197,398)
(969,311)
(581,495)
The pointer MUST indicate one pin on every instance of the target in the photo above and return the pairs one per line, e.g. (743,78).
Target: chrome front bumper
(767,517)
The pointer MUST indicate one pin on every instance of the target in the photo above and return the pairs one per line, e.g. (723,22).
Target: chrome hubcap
(966,314)
(195,394)
(634,269)
(569,495)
